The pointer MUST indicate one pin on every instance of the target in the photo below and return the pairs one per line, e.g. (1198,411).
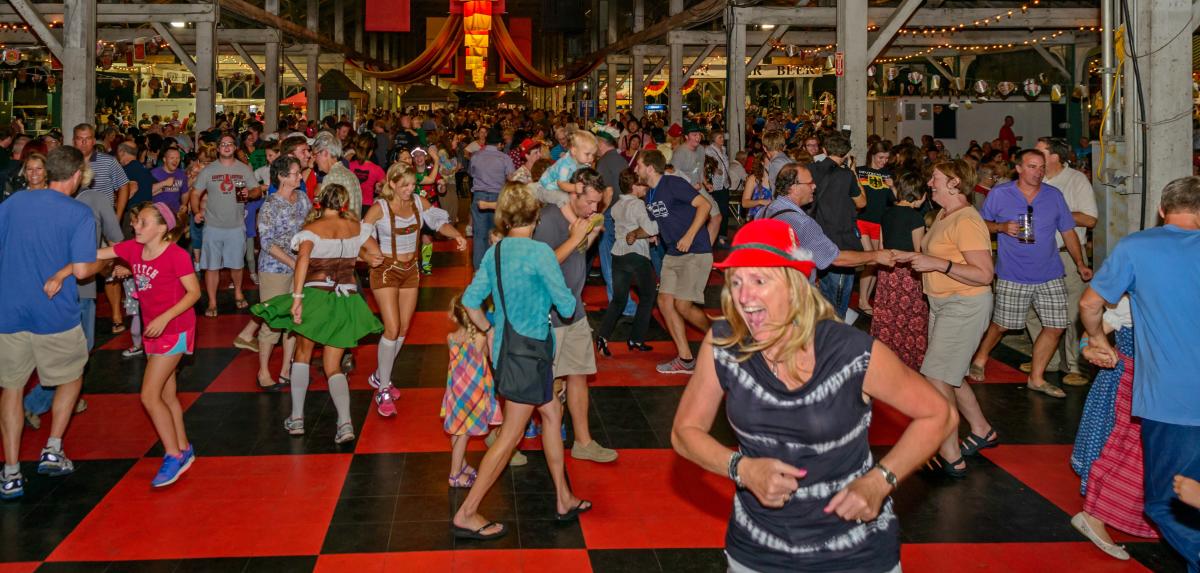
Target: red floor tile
(449,277)
(475,561)
(114,426)
(28,567)
(210,332)
(671,504)
(887,424)
(223,507)
(1047,470)
(1011,557)
(633,368)
(998,372)
(416,427)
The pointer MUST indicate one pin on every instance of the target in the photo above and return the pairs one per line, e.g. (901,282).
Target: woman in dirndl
(325,306)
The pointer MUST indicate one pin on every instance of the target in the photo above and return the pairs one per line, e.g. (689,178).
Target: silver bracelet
(297,295)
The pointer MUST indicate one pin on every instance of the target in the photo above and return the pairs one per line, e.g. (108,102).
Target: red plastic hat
(675,130)
(768,243)
(528,144)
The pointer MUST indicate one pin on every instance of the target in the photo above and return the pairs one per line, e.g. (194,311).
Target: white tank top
(403,240)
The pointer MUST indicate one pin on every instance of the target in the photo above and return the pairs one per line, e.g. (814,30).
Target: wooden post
(735,85)
(271,83)
(79,63)
(675,84)
(637,86)
(313,72)
(852,84)
(206,74)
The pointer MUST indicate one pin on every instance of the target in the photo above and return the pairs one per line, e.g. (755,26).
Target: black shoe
(641,346)
(602,346)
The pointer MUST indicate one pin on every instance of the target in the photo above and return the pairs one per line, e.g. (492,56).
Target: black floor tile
(692,560)
(51,508)
(623,560)
(550,534)
(434,299)
(1157,556)
(110,373)
(421,366)
(357,538)
(1022,416)
(251,424)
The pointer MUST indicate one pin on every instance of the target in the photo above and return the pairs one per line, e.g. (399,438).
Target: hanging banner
(387,16)
(521,31)
(839,64)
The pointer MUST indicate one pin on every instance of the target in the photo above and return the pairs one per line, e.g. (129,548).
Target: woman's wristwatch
(888,476)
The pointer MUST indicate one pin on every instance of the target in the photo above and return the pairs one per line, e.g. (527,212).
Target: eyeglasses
(809,182)
(226,144)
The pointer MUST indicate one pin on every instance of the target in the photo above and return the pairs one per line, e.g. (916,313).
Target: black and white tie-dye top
(820,427)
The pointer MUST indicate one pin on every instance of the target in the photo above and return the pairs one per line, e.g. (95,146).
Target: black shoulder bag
(524,366)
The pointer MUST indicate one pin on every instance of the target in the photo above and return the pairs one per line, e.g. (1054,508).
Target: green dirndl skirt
(328,318)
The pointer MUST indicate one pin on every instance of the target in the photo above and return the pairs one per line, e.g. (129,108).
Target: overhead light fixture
(767,27)
(178,24)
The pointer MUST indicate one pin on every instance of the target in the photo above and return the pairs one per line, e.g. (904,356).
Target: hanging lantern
(915,78)
(1005,89)
(12,57)
(968,104)
(477,27)
(981,87)
(870,71)
(935,83)
(1032,90)
(892,72)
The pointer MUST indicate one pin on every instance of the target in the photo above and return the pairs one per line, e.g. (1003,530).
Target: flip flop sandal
(974,443)
(118,328)
(574,512)
(464,533)
(210,313)
(241,304)
(975,373)
(1048,389)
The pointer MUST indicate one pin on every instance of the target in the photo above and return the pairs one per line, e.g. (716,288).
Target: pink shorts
(869,229)
(170,344)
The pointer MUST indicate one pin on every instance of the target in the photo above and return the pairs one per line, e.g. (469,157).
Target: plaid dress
(469,405)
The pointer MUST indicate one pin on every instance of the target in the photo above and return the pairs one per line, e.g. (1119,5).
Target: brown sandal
(975,373)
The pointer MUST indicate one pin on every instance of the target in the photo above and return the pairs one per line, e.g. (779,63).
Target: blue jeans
(837,287)
(1169,450)
(481,225)
(41,398)
(657,252)
(607,239)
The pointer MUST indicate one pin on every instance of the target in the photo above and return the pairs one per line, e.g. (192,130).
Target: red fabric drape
(387,16)
(512,56)
(442,50)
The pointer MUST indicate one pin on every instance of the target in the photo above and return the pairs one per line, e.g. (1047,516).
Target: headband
(167,215)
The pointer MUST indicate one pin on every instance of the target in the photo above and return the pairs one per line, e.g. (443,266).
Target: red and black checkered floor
(259,500)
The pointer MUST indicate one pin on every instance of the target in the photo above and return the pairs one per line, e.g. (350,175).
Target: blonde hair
(398,174)
(583,138)
(516,207)
(458,315)
(332,196)
(806,307)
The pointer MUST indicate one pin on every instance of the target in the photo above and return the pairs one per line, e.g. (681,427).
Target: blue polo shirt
(1028,263)
(1160,269)
(670,204)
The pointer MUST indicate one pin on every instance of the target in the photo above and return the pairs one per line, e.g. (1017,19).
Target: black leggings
(630,269)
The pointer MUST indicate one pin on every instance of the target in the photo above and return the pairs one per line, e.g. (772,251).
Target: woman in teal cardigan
(533,282)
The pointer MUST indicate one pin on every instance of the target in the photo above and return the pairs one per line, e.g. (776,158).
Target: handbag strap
(500,283)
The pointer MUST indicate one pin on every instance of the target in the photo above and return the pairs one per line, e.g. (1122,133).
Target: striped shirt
(107,175)
(808,231)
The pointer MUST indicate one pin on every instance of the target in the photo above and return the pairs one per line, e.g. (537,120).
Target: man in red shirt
(1006,134)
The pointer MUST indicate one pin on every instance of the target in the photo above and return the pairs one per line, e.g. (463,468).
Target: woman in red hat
(797,386)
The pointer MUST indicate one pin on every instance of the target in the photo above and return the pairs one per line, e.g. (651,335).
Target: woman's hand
(861,499)
(1100,353)
(52,286)
(297,310)
(461,242)
(771,481)
(156,327)
(120,272)
(920,263)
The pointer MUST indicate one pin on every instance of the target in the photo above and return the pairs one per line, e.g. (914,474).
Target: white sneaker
(1081,524)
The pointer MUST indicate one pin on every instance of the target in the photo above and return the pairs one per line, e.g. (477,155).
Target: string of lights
(973,48)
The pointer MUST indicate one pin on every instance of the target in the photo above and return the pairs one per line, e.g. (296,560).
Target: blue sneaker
(172,468)
(189,456)
(12,487)
(54,463)
(533,430)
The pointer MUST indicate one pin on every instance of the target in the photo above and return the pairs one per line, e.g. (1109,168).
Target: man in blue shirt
(1030,272)
(1159,269)
(489,170)
(681,213)
(47,242)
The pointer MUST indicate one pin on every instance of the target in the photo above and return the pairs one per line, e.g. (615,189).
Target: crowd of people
(316,211)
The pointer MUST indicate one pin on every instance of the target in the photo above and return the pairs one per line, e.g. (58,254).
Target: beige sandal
(1047,389)
(975,373)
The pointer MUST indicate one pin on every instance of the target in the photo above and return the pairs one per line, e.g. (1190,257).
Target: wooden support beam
(1052,59)
(107,13)
(765,48)
(176,47)
(888,30)
(295,71)
(249,61)
(826,17)
(699,61)
(703,11)
(656,69)
(248,10)
(33,17)
(940,68)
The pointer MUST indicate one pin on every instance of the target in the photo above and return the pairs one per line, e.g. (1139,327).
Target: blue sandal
(974,443)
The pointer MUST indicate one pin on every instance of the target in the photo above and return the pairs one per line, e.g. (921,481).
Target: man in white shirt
(1081,199)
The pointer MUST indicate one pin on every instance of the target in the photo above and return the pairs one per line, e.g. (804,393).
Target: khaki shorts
(956,324)
(58,358)
(573,352)
(271,285)
(685,276)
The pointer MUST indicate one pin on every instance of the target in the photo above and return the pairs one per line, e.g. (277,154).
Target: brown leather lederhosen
(394,273)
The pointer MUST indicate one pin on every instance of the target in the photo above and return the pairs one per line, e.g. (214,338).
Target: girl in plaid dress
(469,405)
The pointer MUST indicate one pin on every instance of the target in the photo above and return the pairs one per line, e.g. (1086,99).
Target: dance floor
(259,500)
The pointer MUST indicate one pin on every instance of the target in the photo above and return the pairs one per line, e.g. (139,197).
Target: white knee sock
(386,356)
(299,388)
(339,390)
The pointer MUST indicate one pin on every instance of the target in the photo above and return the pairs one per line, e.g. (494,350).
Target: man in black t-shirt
(834,208)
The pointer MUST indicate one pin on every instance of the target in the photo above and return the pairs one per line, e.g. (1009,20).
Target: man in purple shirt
(1029,271)
(489,170)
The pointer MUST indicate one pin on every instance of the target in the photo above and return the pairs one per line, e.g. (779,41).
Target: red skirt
(1114,492)
(901,318)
